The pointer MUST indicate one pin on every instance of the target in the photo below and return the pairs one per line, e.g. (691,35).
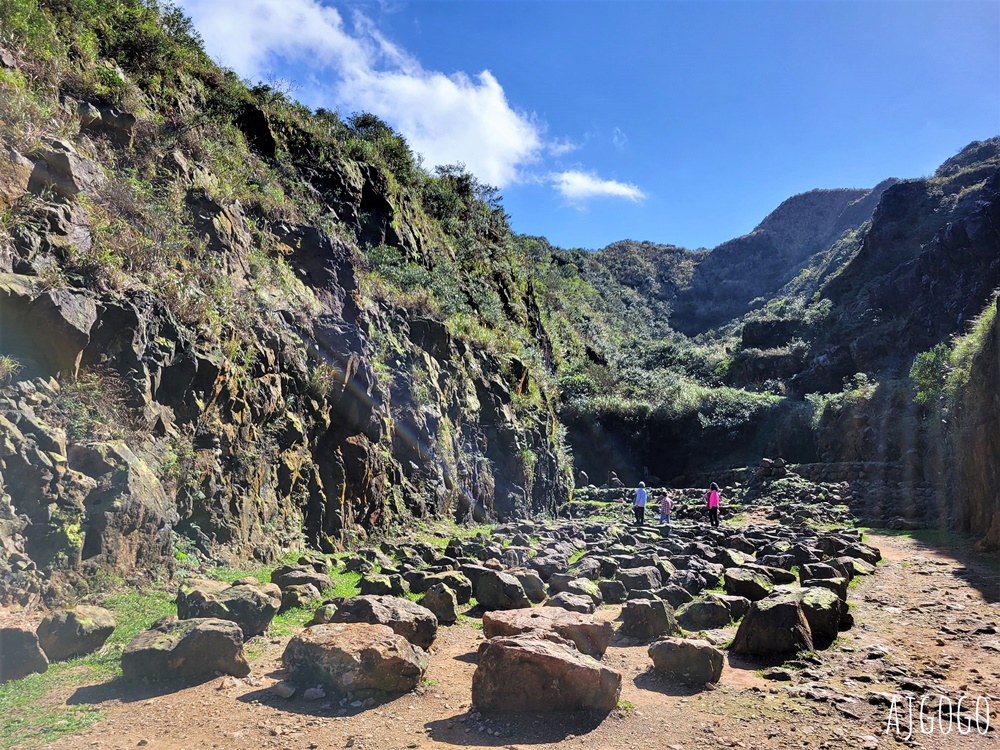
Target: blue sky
(677,122)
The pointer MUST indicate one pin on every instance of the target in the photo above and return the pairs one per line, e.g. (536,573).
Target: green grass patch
(34,708)
(575,557)
(261,571)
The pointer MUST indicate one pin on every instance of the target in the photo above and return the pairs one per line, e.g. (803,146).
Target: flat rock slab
(355,658)
(74,632)
(415,623)
(528,673)
(590,635)
(175,648)
(252,607)
(689,660)
(20,654)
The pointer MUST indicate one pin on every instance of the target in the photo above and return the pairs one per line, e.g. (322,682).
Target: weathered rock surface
(590,635)
(528,673)
(646,619)
(412,621)
(442,601)
(689,660)
(495,590)
(251,607)
(747,583)
(773,626)
(74,632)
(355,658)
(704,613)
(194,648)
(20,654)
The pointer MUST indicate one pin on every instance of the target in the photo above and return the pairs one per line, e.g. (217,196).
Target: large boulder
(751,584)
(355,658)
(58,167)
(415,623)
(73,632)
(20,654)
(457,582)
(773,626)
(530,673)
(249,606)
(645,578)
(646,619)
(591,636)
(299,575)
(824,611)
(442,601)
(704,613)
(193,648)
(687,659)
(534,587)
(378,584)
(495,590)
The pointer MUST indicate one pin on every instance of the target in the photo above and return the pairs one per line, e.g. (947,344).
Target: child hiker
(665,507)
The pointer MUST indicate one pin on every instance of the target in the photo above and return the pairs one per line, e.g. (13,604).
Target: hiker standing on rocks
(640,503)
(666,505)
(712,501)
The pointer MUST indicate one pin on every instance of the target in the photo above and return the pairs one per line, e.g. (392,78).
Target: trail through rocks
(926,625)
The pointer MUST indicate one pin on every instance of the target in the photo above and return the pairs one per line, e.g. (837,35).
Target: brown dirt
(927,612)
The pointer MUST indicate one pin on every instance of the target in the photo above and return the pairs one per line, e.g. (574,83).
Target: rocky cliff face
(729,279)
(187,373)
(924,268)
(975,445)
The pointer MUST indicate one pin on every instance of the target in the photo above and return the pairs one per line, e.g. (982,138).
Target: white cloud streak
(578,187)
(446,119)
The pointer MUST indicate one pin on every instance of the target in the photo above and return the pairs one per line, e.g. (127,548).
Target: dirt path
(927,622)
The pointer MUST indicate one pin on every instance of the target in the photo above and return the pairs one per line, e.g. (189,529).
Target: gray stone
(73,632)
(194,648)
(442,601)
(355,658)
(687,660)
(496,590)
(20,654)
(529,673)
(773,626)
(591,636)
(415,623)
(646,619)
(249,606)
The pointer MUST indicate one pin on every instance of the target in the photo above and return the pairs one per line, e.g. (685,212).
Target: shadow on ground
(513,728)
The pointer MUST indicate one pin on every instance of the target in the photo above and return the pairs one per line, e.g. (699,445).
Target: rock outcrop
(528,673)
(186,649)
(355,659)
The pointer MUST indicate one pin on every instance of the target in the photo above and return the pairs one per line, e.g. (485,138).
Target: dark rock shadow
(130,691)
(329,706)
(470,658)
(656,682)
(514,728)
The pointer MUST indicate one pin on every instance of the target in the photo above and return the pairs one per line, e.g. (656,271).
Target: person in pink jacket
(712,501)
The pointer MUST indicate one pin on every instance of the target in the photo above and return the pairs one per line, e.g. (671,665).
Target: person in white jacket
(640,503)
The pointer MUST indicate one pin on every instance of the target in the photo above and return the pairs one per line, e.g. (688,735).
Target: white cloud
(447,119)
(576,187)
(619,139)
(561,147)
